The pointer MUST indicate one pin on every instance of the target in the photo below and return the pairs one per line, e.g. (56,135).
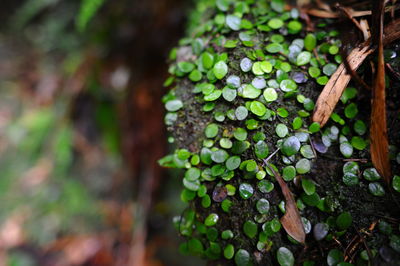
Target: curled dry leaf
(379,137)
(291,221)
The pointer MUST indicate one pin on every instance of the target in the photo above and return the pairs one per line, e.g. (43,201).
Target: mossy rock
(243,87)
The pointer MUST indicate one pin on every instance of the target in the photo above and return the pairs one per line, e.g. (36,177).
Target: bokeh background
(81,130)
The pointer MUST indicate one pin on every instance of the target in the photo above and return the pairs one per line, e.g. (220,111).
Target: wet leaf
(233,22)
(246,190)
(211,219)
(270,95)
(220,69)
(291,146)
(285,257)
(335,256)
(173,105)
(303,58)
(344,220)
(250,229)
(250,92)
(376,189)
(291,221)
(310,41)
(229,251)
(308,186)
(396,183)
(246,64)
(257,108)
(242,257)
(320,231)
(262,206)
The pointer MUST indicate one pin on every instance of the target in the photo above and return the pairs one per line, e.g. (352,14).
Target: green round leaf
(242,257)
(173,105)
(261,149)
(314,127)
(289,173)
(211,130)
(229,94)
(288,85)
(358,143)
(308,186)
(195,246)
(265,186)
(294,26)
(376,189)
(303,166)
(220,69)
(246,64)
(262,206)
(335,256)
(281,130)
(192,174)
(350,179)
(329,69)
(233,162)
(250,92)
(270,94)
(346,149)
(275,23)
(291,146)
(297,123)
(185,67)
(250,229)
(229,251)
(241,113)
(219,156)
(359,127)
(310,41)
(274,48)
(396,183)
(351,110)
(240,133)
(307,152)
(233,22)
(344,220)
(303,58)
(371,174)
(285,257)
(258,108)
(246,190)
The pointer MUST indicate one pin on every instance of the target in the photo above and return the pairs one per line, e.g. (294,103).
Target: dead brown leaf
(332,91)
(378,136)
(326,14)
(291,221)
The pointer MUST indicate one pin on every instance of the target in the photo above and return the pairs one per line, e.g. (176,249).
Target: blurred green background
(81,129)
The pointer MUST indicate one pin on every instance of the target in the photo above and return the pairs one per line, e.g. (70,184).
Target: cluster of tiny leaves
(250,65)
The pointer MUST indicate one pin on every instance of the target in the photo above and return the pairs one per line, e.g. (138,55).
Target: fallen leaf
(291,221)
(378,136)
(332,91)
(327,14)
